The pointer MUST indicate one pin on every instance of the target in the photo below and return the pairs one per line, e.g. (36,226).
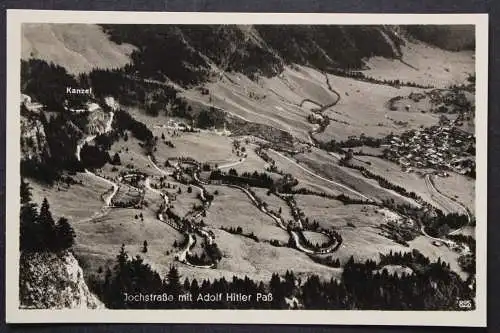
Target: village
(441,147)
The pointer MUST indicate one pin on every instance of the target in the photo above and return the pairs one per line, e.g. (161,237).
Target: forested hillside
(185,53)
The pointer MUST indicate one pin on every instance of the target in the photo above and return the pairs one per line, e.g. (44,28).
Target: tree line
(363,285)
(39,232)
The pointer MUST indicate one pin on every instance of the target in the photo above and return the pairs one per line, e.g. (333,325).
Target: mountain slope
(77,47)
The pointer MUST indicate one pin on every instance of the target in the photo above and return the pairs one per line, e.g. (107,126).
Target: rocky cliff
(54,281)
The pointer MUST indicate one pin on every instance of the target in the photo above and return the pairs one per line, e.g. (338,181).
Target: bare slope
(77,47)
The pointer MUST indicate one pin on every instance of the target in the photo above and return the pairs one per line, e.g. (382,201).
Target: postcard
(246,168)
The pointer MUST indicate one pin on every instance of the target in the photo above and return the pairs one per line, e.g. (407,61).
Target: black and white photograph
(282,164)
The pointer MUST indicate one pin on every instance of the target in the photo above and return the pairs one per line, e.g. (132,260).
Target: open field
(77,47)
(274,203)
(424,245)
(327,165)
(363,108)
(316,237)
(203,147)
(358,226)
(432,66)
(232,208)
(99,241)
(332,213)
(460,188)
(76,203)
(396,269)
(185,201)
(411,181)
(252,162)
(305,179)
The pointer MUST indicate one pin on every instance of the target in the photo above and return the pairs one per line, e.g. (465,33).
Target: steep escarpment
(54,281)
(188,54)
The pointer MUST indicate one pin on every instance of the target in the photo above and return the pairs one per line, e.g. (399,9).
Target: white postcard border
(350,317)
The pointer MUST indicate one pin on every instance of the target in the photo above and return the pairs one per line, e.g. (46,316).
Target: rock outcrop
(54,281)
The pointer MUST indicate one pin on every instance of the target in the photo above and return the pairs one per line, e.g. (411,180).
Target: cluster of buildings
(437,147)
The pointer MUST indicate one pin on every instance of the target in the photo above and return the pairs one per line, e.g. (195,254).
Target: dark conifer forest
(363,286)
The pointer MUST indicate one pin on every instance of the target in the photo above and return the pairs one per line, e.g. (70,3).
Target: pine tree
(173,279)
(46,222)
(145,247)
(278,292)
(65,234)
(116,159)
(122,258)
(28,220)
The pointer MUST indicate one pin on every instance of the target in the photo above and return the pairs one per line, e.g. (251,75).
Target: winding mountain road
(108,127)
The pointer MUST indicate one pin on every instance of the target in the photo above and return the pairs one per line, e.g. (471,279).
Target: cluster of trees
(132,89)
(399,233)
(210,118)
(363,285)
(442,223)
(124,121)
(327,261)
(93,157)
(363,77)
(38,230)
(210,256)
(46,83)
(353,141)
(346,200)
(59,152)
(316,246)
(254,179)
(414,260)
(239,231)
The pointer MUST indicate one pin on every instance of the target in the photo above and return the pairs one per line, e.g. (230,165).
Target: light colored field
(363,108)
(368,150)
(76,203)
(433,65)
(327,166)
(244,257)
(203,147)
(332,213)
(278,98)
(185,201)
(458,187)
(423,105)
(467,231)
(425,246)
(364,241)
(99,241)
(396,269)
(316,237)
(77,47)
(305,179)
(136,155)
(274,203)
(252,162)
(233,208)
(411,181)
